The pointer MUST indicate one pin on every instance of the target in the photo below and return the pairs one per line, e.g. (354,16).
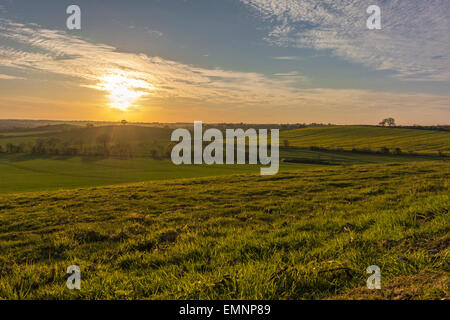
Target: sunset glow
(299,62)
(123,91)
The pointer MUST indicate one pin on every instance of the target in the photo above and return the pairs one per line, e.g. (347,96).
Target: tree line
(103,146)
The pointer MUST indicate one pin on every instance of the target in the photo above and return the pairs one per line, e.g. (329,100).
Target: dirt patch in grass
(427,284)
(441,243)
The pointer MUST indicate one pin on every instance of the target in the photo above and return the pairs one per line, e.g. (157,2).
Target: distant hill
(128,133)
(143,138)
(50,127)
(119,134)
(348,137)
(121,139)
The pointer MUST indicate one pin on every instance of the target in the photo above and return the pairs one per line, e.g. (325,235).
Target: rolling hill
(309,234)
(37,172)
(348,137)
(119,134)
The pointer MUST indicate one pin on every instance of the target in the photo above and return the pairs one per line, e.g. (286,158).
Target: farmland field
(305,234)
(348,137)
(142,228)
(24,173)
(35,172)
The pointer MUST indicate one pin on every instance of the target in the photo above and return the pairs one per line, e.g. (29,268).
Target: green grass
(348,137)
(348,158)
(225,232)
(142,139)
(306,234)
(25,173)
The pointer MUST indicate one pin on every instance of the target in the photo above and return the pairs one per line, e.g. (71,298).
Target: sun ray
(124,90)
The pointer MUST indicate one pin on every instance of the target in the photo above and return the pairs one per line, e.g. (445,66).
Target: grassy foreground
(298,235)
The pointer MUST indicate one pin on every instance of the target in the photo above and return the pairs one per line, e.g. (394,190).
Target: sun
(124,90)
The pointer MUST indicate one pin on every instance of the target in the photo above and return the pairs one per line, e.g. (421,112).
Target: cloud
(154,32)
(8,77)
(287,74)
(101,66)
(287,58)
(414,40)
(292,75)
(154,79)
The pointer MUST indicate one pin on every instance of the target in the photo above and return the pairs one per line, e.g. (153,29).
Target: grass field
(348,137)
(25,173)
(305,234)
(147,229)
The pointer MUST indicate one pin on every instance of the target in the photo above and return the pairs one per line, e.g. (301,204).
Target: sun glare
(123,90)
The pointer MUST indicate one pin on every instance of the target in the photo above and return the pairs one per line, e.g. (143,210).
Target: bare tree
(388,121)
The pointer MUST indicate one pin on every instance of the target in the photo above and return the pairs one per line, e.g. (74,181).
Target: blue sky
(227,60)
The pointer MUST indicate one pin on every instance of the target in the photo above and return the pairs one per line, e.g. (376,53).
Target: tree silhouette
(388,121)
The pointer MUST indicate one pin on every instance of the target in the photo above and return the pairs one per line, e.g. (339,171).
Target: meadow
(142,228)
(348,137)
(309,234)
(27,171)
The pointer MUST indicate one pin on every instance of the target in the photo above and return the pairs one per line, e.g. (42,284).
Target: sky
(253,61)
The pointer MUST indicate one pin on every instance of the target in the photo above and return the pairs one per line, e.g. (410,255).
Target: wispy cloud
(8,77)
(152,32)
(414,40)
(91,63)
(287,58)
(292,75)
(104,68)
(287,74)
